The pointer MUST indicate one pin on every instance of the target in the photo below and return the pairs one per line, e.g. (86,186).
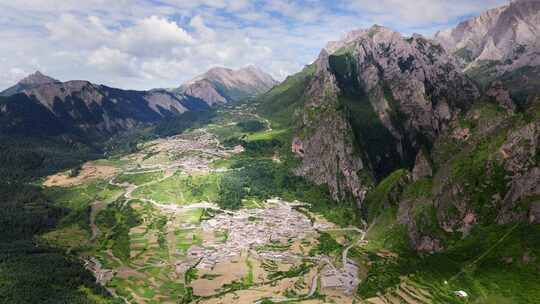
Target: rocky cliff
(509,32)
(376,99)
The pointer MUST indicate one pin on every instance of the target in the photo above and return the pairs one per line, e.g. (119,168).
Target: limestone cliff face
(374,102)
(324,138)
(422,166)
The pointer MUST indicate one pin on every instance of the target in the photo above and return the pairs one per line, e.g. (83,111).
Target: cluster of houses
(345,278)
(248,229)
(266,233)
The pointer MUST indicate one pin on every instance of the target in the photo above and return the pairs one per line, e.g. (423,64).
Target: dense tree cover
(24,211)
(25,116)
(231,192)
(32,272)
(116,220)
(254,147)
(251,126)
(38,274)
(26,158)
(262,178)
(178,124)
(261,146)
(327,245)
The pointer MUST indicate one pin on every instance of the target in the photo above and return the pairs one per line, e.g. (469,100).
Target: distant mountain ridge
(83,107)
(508,34)
(500,50)
(29,82)
(221,85)
(90,109)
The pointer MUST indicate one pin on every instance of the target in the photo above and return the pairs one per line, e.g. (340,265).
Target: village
(248,229)
(191,152)
(267,233)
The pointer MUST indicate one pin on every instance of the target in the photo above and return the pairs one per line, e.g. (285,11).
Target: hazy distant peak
(504,34)
(37,78)
(29,82)
(221,85)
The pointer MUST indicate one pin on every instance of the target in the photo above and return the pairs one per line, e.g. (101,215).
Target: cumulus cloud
(147,36)
(153,35)
(143,44)
(86,33)
(12,75)
(114,61)
(204,32)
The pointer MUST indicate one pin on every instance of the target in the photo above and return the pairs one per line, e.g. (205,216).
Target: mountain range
(430,145)
(94,110)
(375,114)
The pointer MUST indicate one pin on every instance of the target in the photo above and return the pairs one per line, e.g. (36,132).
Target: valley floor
(152,226)
(155,235)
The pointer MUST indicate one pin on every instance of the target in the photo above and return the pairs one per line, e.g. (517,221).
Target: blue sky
(142,44)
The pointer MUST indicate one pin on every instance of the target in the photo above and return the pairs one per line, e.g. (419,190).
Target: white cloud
(12,75)
(153,35)
(85,33)
(305,12)
(114,61)
(205,33)
(142,44)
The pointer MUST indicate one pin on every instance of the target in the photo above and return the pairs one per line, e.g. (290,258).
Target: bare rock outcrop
(324,140)
(422,166)
(409,89)
(507,34)
(501,96)
(519,154)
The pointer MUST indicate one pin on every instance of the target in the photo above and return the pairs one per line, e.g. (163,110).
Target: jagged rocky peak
(393,96)
(414,73)
(357,34)
(37,78)
(220,85)
(248,76)
(31,81)
(508,34)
